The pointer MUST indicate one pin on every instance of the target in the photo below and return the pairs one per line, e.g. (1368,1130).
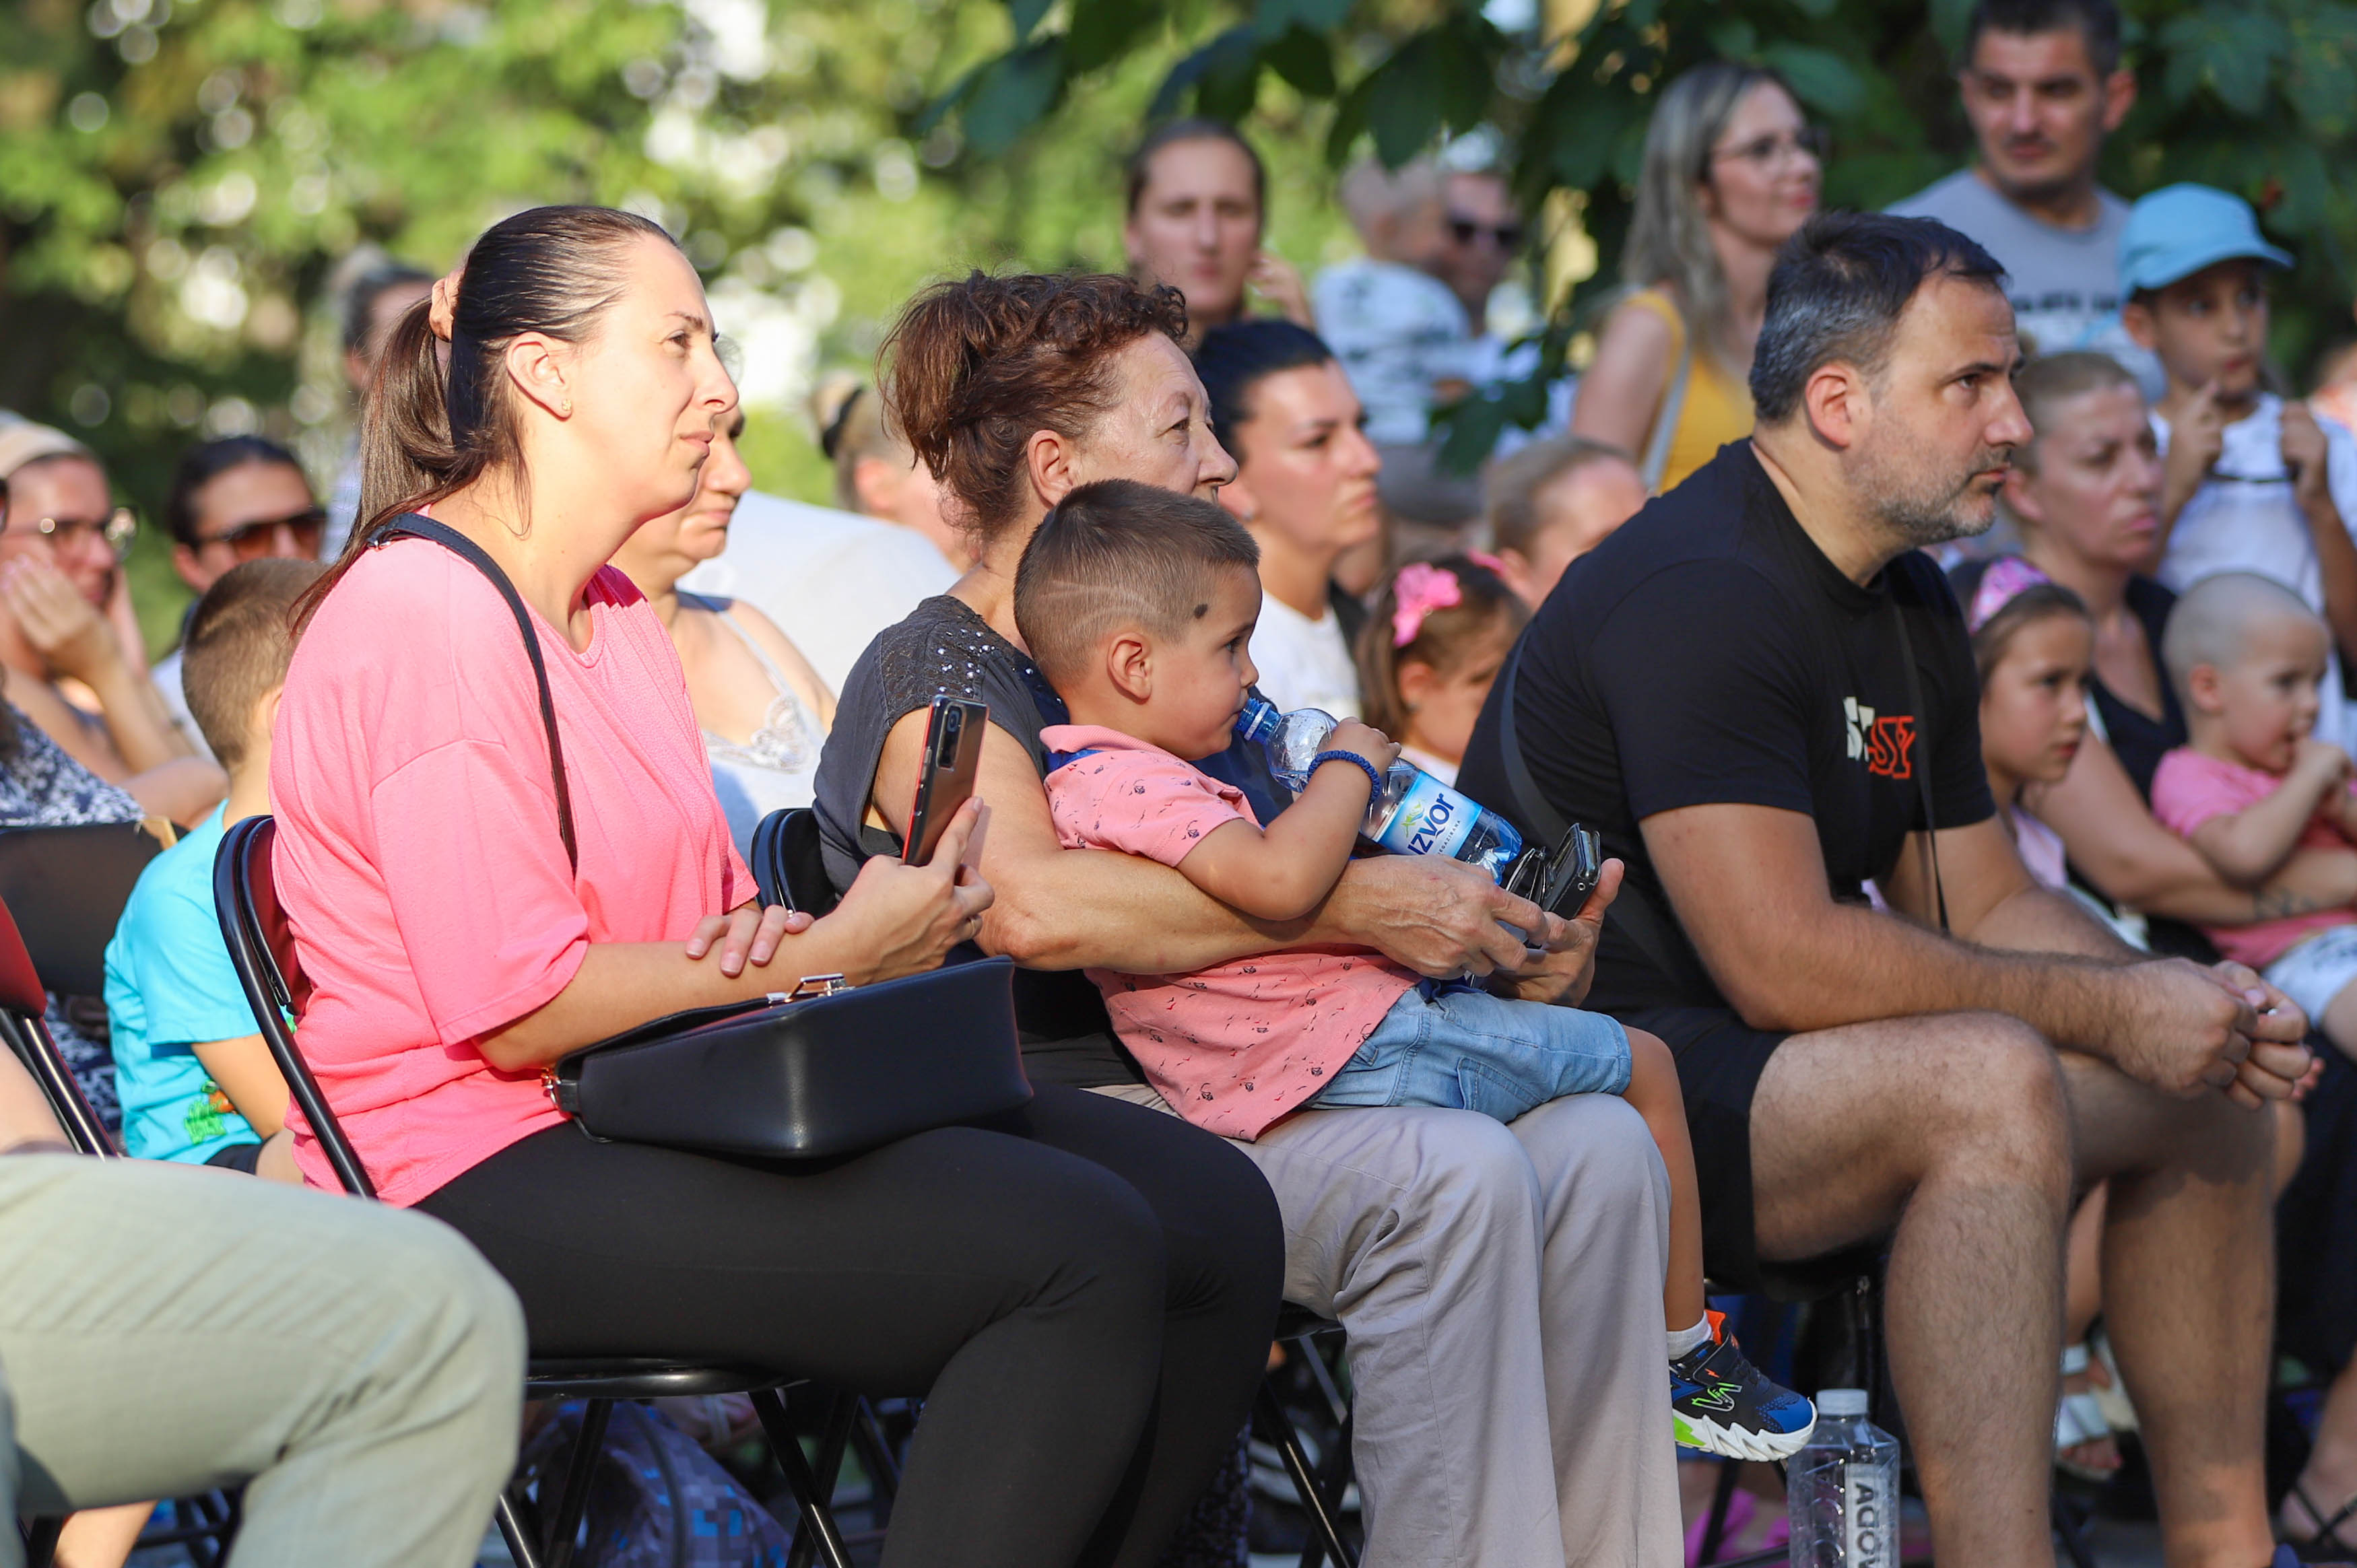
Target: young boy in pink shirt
(1138,607)
(2255,787)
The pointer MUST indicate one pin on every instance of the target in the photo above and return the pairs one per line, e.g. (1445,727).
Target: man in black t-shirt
(1759,692)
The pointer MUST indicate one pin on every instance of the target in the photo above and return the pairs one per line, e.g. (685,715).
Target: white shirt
(2234,524)
(1304,663)
(830,579)
(171,683)
(1397,333)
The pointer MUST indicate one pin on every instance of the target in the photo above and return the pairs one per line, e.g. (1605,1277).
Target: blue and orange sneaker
(1721,1404)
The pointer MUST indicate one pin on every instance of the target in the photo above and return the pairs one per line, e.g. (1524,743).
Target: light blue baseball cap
(2180,228)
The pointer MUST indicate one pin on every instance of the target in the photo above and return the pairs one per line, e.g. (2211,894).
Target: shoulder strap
(413,525)
(1915,759)
(1633,911)
(1674,407)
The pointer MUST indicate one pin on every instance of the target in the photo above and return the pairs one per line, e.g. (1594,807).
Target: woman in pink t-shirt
(455,952)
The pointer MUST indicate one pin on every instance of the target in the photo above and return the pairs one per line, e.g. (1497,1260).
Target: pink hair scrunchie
(1420,590)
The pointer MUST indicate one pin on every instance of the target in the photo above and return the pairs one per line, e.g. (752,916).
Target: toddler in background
(1439,633)
(1138,605)
(198,1084)
(2255,786)
(2249,482)
(1552,502)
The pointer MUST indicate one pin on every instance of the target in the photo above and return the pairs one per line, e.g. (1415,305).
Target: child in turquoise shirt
(197,1085)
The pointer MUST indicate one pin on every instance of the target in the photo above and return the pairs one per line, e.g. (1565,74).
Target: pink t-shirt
(1234,1047)
(2187,790)
(418,856)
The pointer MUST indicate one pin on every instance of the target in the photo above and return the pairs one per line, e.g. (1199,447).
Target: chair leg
(817,1520)
(565,1520)
(1325,1529)
(513,1532)
(876,1456)
(42,1542)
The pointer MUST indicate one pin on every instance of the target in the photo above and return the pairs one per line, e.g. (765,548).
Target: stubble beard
(1922,510)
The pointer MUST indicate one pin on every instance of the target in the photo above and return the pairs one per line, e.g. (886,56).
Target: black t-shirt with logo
(1708,653)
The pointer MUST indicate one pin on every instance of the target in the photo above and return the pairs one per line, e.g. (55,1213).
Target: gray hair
(1668,238)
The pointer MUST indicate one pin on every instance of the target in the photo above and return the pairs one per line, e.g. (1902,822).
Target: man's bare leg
(1952,1130)
(2189,1298)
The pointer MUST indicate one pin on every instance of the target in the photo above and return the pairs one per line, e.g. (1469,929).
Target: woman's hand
(1565,969)
(748,931)
(1278,282)
(908,916)
(1438,916)
(63,627)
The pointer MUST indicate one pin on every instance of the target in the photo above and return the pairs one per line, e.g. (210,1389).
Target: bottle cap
(1258,720)
(1841,1402)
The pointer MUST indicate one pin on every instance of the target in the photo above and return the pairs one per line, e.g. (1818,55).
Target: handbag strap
(1633,911)
(415,525)
(1915,754)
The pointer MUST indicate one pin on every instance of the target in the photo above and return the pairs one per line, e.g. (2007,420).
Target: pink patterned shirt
(1234,1047)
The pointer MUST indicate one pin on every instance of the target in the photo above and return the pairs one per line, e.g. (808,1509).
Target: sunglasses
(1465,231)
(252,541)
(118,528)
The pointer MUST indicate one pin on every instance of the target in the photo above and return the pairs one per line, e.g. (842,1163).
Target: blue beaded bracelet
(1375,779)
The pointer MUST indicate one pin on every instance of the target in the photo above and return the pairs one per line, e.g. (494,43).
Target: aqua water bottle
(1842,1488)
(1414,813)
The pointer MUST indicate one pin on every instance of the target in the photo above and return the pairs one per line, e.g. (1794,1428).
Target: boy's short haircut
(239,643)
(1118,554)
(2207,623)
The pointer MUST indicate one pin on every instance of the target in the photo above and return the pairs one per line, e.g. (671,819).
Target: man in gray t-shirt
(2043,85)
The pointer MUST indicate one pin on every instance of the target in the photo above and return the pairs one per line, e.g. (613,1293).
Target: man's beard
(1923,509)
(2034,192)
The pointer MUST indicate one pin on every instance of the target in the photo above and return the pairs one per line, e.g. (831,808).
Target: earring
(564,409)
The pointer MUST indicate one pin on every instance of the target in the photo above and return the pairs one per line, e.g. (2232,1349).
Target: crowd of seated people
(1928,811)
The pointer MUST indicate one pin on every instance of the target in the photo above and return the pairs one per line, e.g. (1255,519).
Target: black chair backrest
(22,1000)
(788,863)
(262,950)
(72,884)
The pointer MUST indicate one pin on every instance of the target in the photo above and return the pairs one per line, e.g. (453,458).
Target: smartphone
(1573,872)
(945,778)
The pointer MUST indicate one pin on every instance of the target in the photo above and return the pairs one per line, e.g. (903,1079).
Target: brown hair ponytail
(428,431)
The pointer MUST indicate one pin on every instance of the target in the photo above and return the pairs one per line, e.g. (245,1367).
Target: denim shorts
(1455,1046)
(2313,971)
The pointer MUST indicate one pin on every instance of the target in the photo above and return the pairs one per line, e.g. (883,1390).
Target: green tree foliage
(179,181)
(2258,96)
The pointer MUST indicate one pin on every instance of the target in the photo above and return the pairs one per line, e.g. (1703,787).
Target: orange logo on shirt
(1885,742)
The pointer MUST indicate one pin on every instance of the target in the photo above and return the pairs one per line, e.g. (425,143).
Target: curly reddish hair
(977,366)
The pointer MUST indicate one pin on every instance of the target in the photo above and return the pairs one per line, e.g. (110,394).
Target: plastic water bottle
(1842,1488)
(1414,813)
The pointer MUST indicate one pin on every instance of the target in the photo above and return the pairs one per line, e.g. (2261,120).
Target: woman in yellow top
(1729,174)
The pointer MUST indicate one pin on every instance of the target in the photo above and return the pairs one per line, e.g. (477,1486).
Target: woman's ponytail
(555,271)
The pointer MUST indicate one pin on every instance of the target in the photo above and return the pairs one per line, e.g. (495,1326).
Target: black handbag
(826,1069)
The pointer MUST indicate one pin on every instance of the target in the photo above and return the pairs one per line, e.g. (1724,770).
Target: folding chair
(788,868)
(78,878)
(262,950)
(24,1009)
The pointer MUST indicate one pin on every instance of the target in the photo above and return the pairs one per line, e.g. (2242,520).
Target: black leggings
(1084,1293)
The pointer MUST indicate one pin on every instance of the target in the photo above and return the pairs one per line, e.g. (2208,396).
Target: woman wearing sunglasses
(1729,174)
(71,657)
(233,499)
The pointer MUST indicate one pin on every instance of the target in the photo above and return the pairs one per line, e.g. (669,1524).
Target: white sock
(1685,1341)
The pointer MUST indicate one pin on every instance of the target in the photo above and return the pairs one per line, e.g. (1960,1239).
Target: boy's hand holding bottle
(1363,740)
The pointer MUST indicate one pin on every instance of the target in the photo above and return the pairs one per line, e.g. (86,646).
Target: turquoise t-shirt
(169,987)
